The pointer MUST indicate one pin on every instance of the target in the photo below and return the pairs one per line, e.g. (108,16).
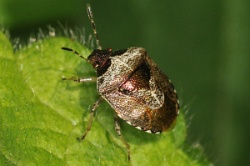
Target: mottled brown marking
(138,90)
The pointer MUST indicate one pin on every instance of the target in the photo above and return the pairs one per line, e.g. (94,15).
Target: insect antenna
(75,52)
(91,18)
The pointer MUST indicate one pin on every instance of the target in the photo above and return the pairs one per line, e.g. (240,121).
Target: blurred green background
(202,45)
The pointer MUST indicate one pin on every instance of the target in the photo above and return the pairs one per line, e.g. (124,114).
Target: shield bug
(138,91)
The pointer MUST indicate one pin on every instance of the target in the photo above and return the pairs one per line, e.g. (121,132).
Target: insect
(138,91)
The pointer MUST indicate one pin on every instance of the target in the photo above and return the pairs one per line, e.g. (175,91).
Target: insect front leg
(77,79)
(93,108)
(118,131)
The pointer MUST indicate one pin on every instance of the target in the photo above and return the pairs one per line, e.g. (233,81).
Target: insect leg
(77,79)
(93,108)
(118,131)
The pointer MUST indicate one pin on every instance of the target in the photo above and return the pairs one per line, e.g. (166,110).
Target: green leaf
(42,116)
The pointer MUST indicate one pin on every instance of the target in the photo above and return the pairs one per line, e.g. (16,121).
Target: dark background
(202,45)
